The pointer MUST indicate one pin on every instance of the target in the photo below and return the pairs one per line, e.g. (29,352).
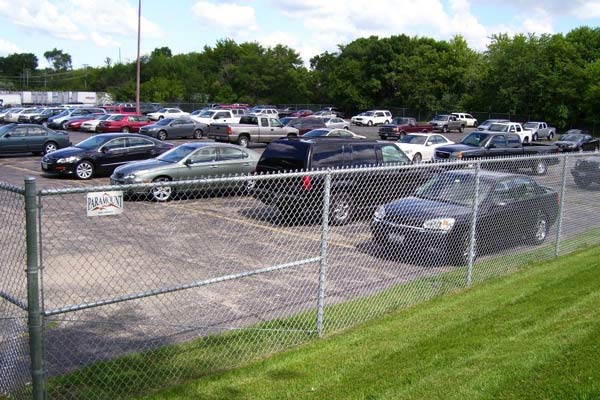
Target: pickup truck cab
(400,126)
(252,128)
(540,130)
(467,118)
(209,117)
(512,127)
(486,144)
(446,123)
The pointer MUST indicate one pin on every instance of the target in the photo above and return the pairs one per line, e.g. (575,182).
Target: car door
(36,137)
(140,149)
(201,163)
(275,131)
(112,154)
(395,183)
(186,127)
(14,141)
(588,143)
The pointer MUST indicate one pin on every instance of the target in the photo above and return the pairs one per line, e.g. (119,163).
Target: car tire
(125,129)
(582,183)
(63,126)
(84,170)
(551,136)
(540,229)
(417,158)
(160,117)
(162,193)
(341,209)
(525,140)
(370,123)
(534,137)
(50,147)
(346,128)
(386,122)
(162,135)
(540,167)
(198,134)
(459,253)
(461,129)
(445,129)
(243,141)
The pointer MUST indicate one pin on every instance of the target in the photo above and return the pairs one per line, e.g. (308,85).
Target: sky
(93,30)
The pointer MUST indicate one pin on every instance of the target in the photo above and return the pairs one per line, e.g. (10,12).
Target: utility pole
(85,66)
(137,81)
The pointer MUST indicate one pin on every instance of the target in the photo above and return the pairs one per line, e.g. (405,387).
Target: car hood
(414,211)
(454,148)
(143,165)
(153,126)
(66,152)
(560,143)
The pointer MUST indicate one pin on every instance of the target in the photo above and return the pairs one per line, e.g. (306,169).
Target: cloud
(7,47)
(232,18)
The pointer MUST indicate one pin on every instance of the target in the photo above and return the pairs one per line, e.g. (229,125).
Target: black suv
(354,193)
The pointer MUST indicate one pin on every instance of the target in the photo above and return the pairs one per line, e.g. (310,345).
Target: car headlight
(379,213)
(458,155)
(407,151)
(439,224)
(68,160)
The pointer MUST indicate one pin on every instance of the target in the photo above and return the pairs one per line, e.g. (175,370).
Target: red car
(75,123)
(123,123)
(302,113)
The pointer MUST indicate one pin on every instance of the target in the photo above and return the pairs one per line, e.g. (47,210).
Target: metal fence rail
(231,269)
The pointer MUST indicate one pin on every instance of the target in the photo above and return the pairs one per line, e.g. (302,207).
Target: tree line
(555,77)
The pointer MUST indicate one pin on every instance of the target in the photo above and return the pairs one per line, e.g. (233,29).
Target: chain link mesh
(198,276)
(14,353)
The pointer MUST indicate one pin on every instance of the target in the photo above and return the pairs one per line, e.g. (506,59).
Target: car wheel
(582,183)
(63,126)
(340,209)
(346,128)
(386,122)
(534,138)
(162,135)
(401,135)
(50,147)
(540,167)
(161,193)
(540,230)
(460,253)
(417,158)
(445,129)
(551,136)
(461,129)
(198,134)
(125,129)
(160,117)
(526,140)
(243,141)
(370,123)
(84,169)
(474,123)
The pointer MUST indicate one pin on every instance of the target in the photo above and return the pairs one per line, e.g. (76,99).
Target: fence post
(34,314)
(560,205)
(324,248)
(473,231)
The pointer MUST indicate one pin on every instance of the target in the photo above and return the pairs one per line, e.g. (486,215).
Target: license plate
(396,238)
(44,165)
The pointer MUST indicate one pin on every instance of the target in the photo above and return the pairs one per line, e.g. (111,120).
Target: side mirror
(499,204)
(7,135)
(428,144)
(104,150)
(490,146)
(188,162)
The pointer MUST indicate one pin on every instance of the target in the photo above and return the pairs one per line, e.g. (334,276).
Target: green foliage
(59,60)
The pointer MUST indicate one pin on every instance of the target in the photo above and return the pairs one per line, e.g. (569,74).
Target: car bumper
(411,239)
(51,167)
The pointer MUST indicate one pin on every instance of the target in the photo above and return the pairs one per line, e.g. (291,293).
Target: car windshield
(177,154)
(414,139)
(572,137)
(474,139)
(440,118)
(453,188)
(5,128)
(161,110)
(117,117)
(63,114)
(368,113)
(93,142)
(400,121)
(103,117)
(530,125)
(164,121)
(316,133)
(498,127)
(207,114)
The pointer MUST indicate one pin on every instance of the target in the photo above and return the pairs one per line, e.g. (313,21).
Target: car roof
(486,174)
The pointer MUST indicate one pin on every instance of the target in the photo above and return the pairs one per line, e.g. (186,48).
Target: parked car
(577,140)
(447,123)
(7,111)
(302,113)
(468,119)
(485,125)
(374,117)
(586,171)
(285,121)
(421,146)
(338,113)
(168,112)
(268,112)
(353,195)
(25,115)
(525,135)
(400,126)
(59,121)
(540,130)
(325,114)
(43,116)
(286,112)
(251,129)
(332,133)
(92,125)
(210,117)
(101,154)
(436,221)
(13,115)
(188,161)
(74,124)
(172,128)
(123,123)
(487,144)
(121,109)
(335,122)
(306,124)
(31,138)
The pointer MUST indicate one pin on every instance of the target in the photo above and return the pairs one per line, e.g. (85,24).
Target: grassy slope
(534,334)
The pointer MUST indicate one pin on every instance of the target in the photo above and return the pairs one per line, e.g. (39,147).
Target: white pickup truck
(540,130)
(210,117)
(512,127)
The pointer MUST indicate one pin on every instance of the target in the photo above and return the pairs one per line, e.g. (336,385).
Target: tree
(60,61)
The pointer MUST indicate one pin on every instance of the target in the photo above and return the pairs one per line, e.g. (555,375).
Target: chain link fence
(192,277)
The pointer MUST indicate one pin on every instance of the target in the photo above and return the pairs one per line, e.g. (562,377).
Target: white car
(269,112)
(4,113)
(513,127)
(328,132)
(92,125)
(209,117)
(335,122)
(13,116)
(373,117)
(468,118)
(167,113)
(421,146)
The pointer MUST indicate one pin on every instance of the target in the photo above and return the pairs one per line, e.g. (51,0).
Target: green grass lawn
(533,334)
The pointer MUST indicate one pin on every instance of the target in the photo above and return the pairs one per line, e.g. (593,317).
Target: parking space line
(22,169)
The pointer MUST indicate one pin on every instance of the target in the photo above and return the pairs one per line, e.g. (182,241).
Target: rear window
(363,154)
(329,155)
(285,155)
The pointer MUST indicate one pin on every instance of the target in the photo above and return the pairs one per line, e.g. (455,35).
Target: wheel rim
(84,170)
(162,135)
(417,158)
(64,126)
(125,130)
(162,193)
(50,147)
(197,133)
(541,168)
(341,210)
(540,230)
(243,142)
(534,138)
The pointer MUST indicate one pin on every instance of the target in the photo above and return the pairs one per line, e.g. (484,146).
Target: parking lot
(157,245)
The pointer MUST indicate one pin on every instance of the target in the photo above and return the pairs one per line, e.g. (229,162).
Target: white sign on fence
(104,203)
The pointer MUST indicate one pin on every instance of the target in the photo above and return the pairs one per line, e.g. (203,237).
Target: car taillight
(229,130)
(306,182)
